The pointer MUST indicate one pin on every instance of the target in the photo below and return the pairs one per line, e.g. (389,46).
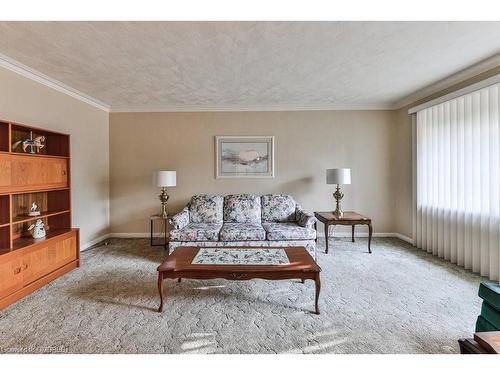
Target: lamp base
(338,197)
(163,199)
(338,212)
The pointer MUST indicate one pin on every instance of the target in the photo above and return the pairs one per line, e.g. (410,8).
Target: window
(457,180)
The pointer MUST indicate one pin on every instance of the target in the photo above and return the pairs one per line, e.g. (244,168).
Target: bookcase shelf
(56,144)
(23,242)
(43,215)
(40,155)
(4,136)
(50,203)
(4,210)
(40,176)
(4,239)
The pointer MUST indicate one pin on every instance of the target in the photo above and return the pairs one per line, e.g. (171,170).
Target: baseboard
(404,238)
(129,235)
(363,234)
(320,235)
(89,244)
(95,241)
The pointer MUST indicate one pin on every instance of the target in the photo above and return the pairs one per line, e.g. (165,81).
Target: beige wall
(306,144)
(26,101)
(403,173)
(114,156)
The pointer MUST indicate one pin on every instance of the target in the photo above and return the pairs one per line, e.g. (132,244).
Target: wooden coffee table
(178,265)
(482,343)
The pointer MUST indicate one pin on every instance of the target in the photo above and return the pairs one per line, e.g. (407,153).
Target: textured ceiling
(169,65)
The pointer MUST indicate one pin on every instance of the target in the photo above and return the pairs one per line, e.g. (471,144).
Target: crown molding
(27,72)
(454,79)
(463,75)
(248,108)
(455,94)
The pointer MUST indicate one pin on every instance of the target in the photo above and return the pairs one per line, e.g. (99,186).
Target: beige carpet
(396,300)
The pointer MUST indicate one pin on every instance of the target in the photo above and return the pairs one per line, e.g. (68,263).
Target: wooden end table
(349,218)
(164,230)
(178,265)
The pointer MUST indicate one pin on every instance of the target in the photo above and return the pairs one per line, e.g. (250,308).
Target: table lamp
(338,176)
(165,179)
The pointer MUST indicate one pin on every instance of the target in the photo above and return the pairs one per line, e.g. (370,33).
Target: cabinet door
(63,252)
(40,261)
(37,173)
(5,173)
(36,264)
(11,275)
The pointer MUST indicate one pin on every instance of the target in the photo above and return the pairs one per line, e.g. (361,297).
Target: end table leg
(179,280)
(370,231)
(326,238)
(160,289)
(318,288)
(353,233)
(302,281)
(151,238)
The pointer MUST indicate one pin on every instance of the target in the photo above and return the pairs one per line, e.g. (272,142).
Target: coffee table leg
(326,238)
(370,231)
(353,233)
(316,231)
(318,288)
(160,289)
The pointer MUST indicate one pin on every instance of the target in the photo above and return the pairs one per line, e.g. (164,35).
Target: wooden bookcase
(26,264)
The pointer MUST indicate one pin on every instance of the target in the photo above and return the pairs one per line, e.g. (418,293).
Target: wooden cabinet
(62,252)
(41,260)
(25,270)
(11,276)
(36,263)
(27,173)
(34,175)
(5,172)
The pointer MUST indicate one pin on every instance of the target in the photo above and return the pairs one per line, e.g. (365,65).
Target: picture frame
(244,156)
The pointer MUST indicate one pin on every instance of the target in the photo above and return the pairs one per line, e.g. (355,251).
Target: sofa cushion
(304,218)
(242,232)
(196,232)
(242,208)
(180,219)
(288,231)
(278,208)
(206,208)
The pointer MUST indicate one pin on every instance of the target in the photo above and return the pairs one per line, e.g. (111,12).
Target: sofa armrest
(305,219)
(181,219)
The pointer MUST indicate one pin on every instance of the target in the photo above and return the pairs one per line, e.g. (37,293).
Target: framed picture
(244,157)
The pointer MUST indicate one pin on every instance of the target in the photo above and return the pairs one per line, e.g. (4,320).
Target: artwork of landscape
(245,157)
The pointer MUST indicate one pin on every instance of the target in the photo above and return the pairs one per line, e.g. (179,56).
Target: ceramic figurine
(33,144)
(34,211)
(38,229)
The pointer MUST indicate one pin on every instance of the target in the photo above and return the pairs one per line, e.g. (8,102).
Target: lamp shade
(166,178)
(341,176)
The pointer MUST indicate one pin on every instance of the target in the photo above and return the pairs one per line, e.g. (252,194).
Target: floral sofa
(243,220)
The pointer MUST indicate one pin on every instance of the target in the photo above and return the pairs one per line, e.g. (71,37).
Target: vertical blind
(458,181)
